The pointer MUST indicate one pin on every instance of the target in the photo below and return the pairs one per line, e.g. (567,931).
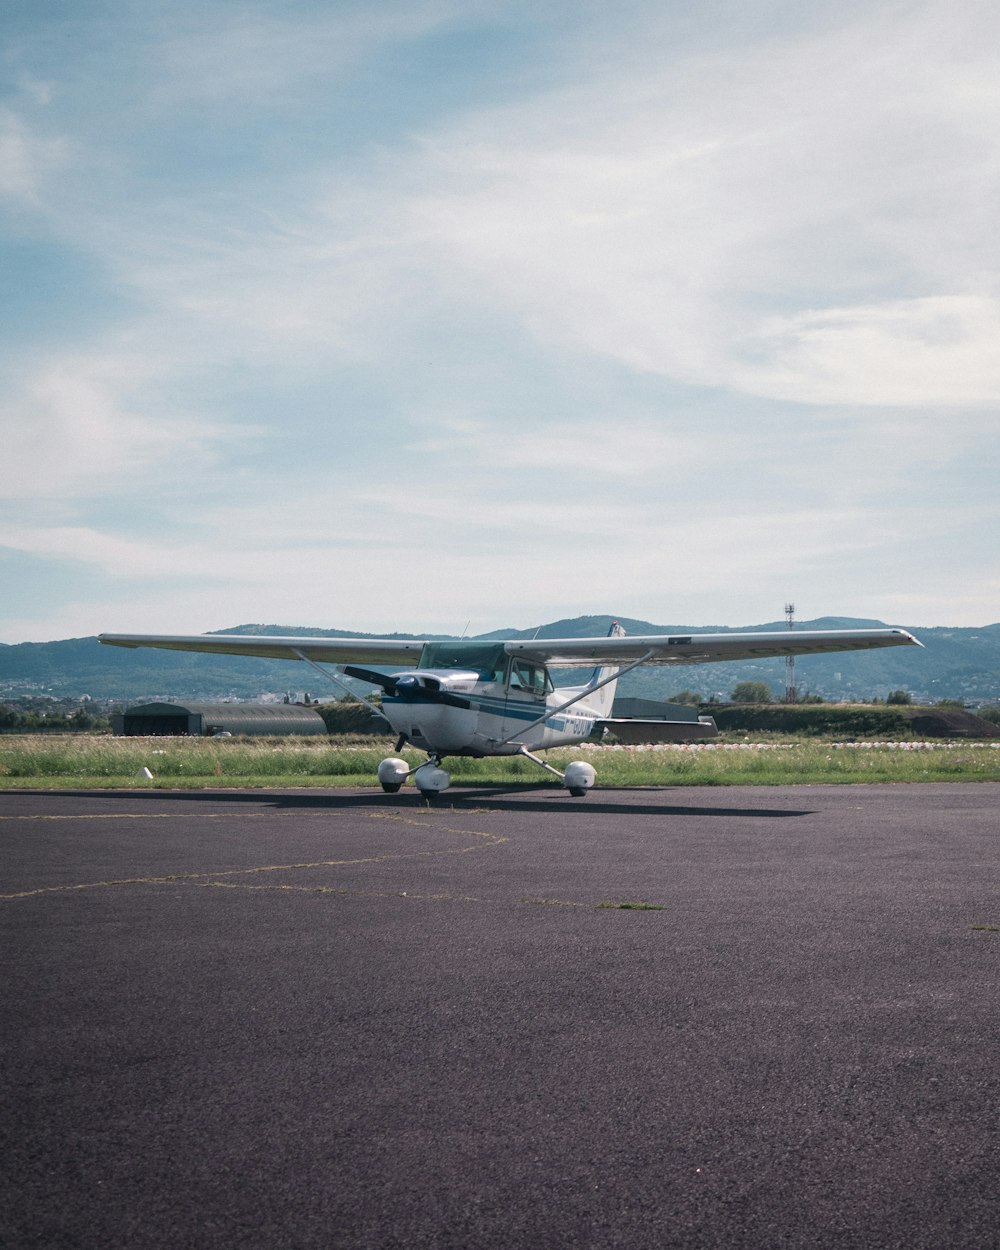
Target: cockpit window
(529,677)
(488,659)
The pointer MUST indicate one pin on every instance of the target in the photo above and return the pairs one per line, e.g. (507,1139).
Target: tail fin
(602,700)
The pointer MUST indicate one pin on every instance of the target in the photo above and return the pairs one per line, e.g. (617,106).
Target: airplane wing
(403,651)
(558,652)
(703,648)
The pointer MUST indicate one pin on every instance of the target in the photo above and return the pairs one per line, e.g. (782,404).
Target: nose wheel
(430,778)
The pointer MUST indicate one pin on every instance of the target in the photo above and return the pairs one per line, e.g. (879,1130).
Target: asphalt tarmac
(342,1019)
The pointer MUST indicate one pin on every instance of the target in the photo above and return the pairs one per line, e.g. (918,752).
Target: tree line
(14,719)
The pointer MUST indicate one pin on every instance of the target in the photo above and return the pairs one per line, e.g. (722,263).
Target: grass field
(95,762)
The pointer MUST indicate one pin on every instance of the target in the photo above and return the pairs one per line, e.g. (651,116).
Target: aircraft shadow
(511,798)
(504,800)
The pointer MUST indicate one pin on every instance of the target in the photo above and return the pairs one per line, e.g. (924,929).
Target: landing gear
(430,778)
(392,773)
(578,778)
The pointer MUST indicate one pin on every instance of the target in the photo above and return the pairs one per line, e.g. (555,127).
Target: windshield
(488,659)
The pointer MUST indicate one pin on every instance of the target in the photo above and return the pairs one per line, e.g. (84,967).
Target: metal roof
(235,718)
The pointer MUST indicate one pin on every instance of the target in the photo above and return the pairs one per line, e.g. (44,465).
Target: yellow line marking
(486,840)
(117,816)
(332,889)
(556,902)
(212,880)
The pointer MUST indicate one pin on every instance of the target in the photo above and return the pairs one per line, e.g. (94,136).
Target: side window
(531,678)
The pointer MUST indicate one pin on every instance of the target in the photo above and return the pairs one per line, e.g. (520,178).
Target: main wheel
(392,773)
(431,779)
(578,778)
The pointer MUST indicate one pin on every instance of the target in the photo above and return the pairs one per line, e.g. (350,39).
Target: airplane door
(527,686)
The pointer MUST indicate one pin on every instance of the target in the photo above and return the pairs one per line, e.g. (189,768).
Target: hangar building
(207,720)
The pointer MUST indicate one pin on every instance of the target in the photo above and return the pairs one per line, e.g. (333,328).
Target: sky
(457,315)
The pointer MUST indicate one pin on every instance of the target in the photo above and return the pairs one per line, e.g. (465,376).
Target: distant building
(206,720)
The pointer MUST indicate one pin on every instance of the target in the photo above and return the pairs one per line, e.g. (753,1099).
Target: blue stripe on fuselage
(485,703)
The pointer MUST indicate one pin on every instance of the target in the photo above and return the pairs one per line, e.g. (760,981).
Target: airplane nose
(426,689)
(411,684)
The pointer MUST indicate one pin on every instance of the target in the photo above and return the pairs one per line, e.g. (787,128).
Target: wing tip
(116,640)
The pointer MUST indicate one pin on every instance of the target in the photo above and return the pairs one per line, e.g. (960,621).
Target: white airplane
(479,697)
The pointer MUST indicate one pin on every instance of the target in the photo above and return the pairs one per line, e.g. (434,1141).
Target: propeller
(387,683)
(408,687)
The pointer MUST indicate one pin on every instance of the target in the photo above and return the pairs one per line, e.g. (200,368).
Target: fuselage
(500,719)
(473,698)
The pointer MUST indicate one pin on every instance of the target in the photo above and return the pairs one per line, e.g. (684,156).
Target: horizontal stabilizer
(632,731)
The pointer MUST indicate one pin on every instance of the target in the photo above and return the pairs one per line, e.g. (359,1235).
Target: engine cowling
(431,709)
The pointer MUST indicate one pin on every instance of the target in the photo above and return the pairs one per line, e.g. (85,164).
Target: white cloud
(251,55)
(285,287)
(672,220)
(522,366)
(735,220)
(414,558)
(26,158)
(942,351)
(562,451)
(76,426)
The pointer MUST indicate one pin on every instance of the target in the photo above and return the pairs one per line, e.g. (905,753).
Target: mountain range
(959,663)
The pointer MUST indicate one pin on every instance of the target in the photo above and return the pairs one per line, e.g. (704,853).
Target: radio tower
(791,694)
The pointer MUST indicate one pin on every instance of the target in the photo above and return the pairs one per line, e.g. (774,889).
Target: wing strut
(338,682)
(588,690)
(538,760)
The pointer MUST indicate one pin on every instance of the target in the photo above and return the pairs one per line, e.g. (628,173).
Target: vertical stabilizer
(601,701)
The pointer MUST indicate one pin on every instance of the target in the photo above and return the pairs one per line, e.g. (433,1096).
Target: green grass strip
(92,761)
